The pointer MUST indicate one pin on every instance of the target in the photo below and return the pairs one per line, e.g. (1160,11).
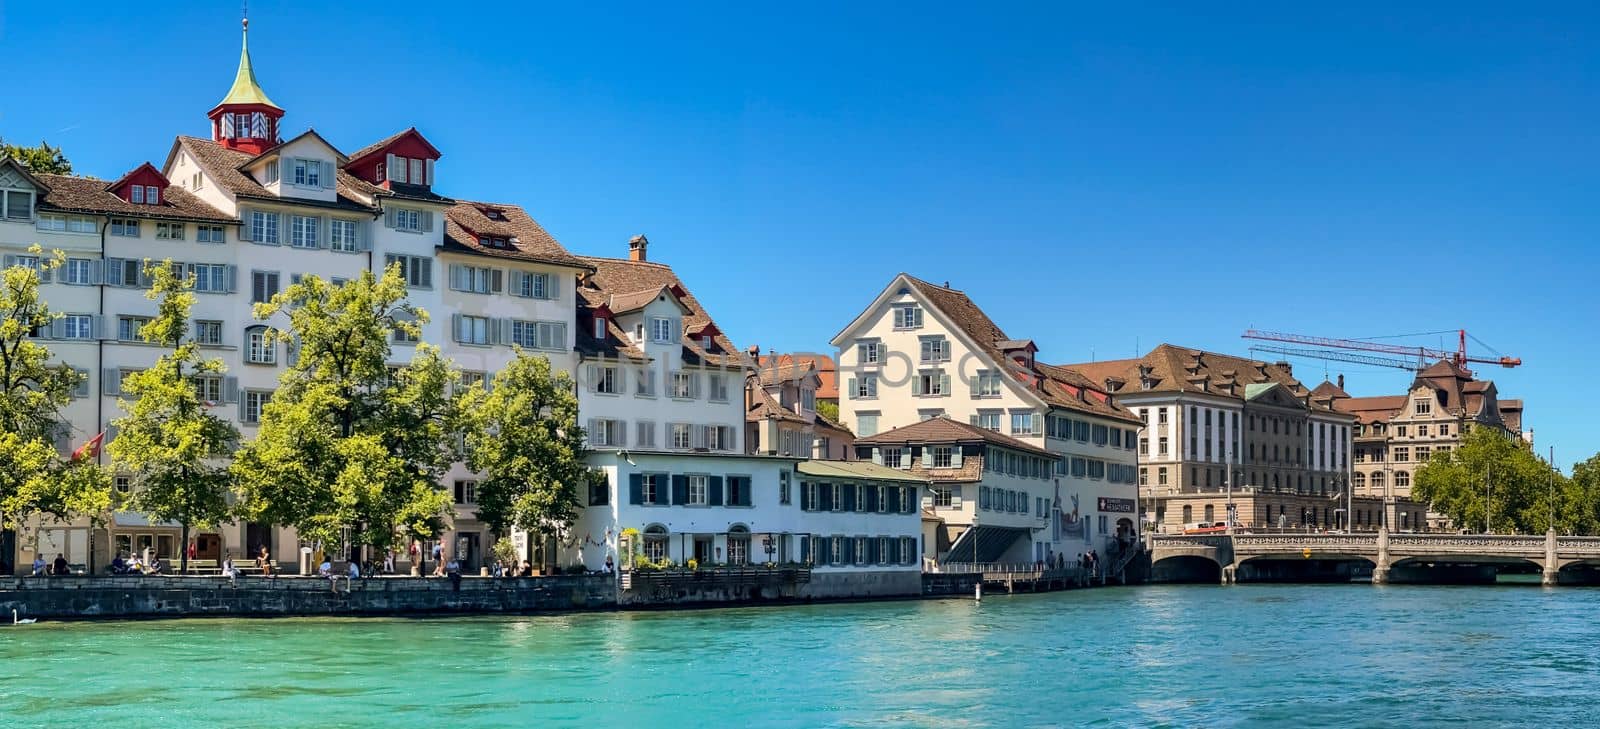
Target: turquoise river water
(1249,655)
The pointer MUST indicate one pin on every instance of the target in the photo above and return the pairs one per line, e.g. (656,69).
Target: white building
(662,396)
(921,351)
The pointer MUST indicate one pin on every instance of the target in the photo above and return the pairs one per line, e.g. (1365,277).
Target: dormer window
(490,241)
(494,214)
(600,328)
(707,342)
(409,170)
(307,173)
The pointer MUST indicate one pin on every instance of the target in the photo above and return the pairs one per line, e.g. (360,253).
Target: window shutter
(391,216)
(916,384)
(424,266)
(636,488)
(427,221)
(99,328)
(390,167)
(497,281)
(97,272)
(503,327)
(515,282)
(272,172)
(594,432)
(230,389)
(324,233)
(231,273)
(552,289)
(327,175)
(241,410)
(58,328)
(592,374)
(714,490)
(680,489)
(455,327)
(955,457)
(110,381)
(244,224)
(364,235)
(944,384)
(455,276)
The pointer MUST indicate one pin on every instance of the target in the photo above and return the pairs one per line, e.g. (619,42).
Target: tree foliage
(34,477)
(346,445)
(522,436)
(1494,474)
(41,158)
(170,442)
(829,410)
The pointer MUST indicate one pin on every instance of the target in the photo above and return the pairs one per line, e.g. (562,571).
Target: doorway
(703,550)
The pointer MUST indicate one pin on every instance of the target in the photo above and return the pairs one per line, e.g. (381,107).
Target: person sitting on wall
(452,569)
(611,565)
(60,568)
(228,570)
(38,565)
(527,569)
(119,566)
(355,571)
(155,566)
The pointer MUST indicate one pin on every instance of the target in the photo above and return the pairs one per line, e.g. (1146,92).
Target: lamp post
(1552,488)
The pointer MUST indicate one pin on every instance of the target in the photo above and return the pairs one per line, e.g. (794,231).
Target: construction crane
(1418,357)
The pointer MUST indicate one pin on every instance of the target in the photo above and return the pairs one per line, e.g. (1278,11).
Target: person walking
(438,559)
(388,561)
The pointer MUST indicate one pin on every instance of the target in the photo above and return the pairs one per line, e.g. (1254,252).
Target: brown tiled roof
(1177,369)
(1511,413)
(380,144)
(827,371)
(1057,385)
(617,343)
(766,407)
(614,275)
(944,430)
(1328,389)
(223,165)
(89,195)
(465,221)
(783,372)
(636,300)
(1371,409)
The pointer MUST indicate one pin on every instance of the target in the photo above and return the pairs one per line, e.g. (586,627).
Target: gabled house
(781,412)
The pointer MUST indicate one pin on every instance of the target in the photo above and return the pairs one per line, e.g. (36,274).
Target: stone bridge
(1384,551)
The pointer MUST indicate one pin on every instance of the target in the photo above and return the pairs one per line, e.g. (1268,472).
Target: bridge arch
(1187,568)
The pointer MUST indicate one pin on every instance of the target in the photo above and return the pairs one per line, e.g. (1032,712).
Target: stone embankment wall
(117,597)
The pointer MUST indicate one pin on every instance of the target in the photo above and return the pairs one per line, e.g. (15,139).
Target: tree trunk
(183,551)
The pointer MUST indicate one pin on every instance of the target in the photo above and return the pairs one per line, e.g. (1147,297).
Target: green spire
(245,89)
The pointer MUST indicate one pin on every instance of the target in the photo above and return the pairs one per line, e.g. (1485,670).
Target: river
(1247,655)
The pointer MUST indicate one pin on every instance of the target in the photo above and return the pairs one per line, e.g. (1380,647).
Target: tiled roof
(1178,369)
(1057,385)
(614,275)
(1371,409)
(89,195)
(944,430)
(636,300)
(380,144)
(783,372)
(223,164)
(465,222)
(865,470)
(1328,389)
(827,371)
(766,407)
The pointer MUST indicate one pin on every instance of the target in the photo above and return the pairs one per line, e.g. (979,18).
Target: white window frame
(259,347)
(908,316)
(343,235)
(699,490)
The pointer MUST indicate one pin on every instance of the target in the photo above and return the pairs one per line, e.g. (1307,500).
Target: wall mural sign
(1121,506)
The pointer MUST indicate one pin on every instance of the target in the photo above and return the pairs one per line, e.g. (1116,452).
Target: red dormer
(601,316)
(707,337)
(145,185)
(406,158)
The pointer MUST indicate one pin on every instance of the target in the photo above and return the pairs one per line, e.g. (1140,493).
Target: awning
(990,543)
(138,519)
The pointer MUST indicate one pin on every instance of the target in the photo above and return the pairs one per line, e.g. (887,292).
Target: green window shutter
(680,489)
(714,490)
(635,488)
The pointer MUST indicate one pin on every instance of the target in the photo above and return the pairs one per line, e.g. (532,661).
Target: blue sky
(1099,179)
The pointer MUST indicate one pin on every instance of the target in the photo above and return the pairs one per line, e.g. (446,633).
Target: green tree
(42,158)
(829,410)
(347,445)
(1489,474)
(522,436)
(169,442)
(1580,499)
(34,478)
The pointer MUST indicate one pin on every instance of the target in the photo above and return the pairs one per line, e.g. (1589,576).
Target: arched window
(1211,515)
(655,542)
(1377,483)
(259,348)
(738,545)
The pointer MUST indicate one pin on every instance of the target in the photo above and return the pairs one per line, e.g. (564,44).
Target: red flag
(90,449)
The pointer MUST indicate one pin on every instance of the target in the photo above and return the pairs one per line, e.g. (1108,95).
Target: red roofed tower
(246,119)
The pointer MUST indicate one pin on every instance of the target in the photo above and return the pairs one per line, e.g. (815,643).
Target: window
(681,436)
(867,424)
(539,334)
(718,388)
(308,173)
(472,329)
(935,349)
(263,286)
(417,177)
(941,496)
(988,420)
(208,388)
(988,384)
(931,383)
(475,279)
(683,385)
(71,224)
(645,434)
(1401,431)
(78,326)
(169,231)
(894,457)
(907,316)
(1161,446)
(416,270)
(607,379)
(1422,431)
(866,387)
(783,487)
(1402,480)
(1024,423)
(531,285)
(259,348)
(869,352)
(208,331)
(128,328)
(407,220)
(264,227)
(1402,454)
(942,457)
(303,231)
(126,227)
(606,432)
(209,234)
(79,271)
(18,204)
(254,403)
(661,330)
(1422,406)
(655,536)
(698,490)
(136,194)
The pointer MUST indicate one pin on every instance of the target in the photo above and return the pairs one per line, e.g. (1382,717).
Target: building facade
(921,351)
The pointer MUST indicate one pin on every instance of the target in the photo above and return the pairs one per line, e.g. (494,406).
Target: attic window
(408,170)
(144,194)
(490,241)
(492,213)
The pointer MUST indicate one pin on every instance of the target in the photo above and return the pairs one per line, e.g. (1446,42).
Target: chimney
(1341,380)
(1284,365)
(636,248)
